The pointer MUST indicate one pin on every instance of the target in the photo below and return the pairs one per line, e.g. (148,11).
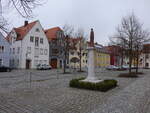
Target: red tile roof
(22,31)
(52,33)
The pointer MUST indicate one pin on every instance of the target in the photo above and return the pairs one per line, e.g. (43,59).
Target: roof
(52,33)
(22,31)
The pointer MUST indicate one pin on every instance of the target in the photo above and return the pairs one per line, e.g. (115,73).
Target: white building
(29,46)
(4,51)
(145,56)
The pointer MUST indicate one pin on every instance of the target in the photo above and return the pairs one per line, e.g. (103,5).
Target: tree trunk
(130,55)
(64,64)
(130,63)
(137,60)
(80,56)
(122,59)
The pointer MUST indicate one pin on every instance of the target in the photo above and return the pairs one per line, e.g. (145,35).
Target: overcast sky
(102,15)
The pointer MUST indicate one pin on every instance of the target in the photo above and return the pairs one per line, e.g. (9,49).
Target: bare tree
(128,32)
(68,32)
(23,7)
(142,37)
(80,34)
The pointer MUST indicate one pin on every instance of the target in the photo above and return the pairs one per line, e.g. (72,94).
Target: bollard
(57,74)
(30,79)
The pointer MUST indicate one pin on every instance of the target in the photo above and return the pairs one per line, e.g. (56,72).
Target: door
(53,63)
(28,64)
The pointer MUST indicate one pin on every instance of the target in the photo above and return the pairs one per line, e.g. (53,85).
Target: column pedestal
(91,67)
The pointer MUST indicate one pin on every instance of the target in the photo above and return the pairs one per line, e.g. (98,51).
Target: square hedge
(100,86)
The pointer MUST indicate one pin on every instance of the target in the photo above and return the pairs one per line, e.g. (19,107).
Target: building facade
(56,46)
(78,47)
(4,51)
(115,55)
(29,46)
(102,56)
(145,56)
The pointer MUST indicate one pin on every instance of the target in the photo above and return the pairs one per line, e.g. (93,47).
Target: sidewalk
(133,99)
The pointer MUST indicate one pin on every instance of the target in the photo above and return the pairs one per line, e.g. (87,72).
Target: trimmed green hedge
(101,86)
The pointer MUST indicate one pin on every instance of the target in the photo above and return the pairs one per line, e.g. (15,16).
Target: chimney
(25,23)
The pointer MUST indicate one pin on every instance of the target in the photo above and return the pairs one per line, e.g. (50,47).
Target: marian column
(91,60)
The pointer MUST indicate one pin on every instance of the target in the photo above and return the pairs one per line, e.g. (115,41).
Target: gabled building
(77,46)
(115,55)
(29,46)
(4,51)
(56,46)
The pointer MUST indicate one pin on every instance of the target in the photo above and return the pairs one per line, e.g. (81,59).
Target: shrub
(100,86)
(132,74)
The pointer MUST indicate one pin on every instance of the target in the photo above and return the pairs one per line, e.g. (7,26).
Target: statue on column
(92,38)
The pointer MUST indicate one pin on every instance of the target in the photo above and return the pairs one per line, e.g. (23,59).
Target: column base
(92,80)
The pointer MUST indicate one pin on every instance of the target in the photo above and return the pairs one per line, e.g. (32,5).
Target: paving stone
(47,94)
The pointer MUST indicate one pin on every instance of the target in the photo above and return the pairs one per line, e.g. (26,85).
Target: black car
(5,69)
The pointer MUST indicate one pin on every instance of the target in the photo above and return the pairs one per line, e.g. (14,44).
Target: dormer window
(37,30)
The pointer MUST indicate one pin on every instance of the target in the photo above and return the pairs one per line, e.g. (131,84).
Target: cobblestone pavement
(133,99)
(49,92)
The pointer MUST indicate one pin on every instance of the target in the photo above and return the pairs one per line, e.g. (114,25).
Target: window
(147,56)
(37,30)
(55,51)
(36,41)
(13,50)
(41,51)
(18,50)
(28,49)
(1,62)
(72,53)
(36,62)
(36,52)
(31,39)
(41,40)
(1,49)
(40,62)
(45,51)
(18,62)
(45,61)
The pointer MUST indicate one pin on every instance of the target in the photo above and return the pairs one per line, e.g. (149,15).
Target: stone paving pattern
(49,93)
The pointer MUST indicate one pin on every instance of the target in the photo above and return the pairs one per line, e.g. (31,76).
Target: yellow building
(102,56)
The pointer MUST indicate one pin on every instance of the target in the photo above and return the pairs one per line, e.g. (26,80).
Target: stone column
(91,61)
(91,65)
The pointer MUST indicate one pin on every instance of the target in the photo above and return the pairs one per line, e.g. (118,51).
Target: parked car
(46,67)
(127,67)
(112,67)
(43,67)
(39,67)
(5,69)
